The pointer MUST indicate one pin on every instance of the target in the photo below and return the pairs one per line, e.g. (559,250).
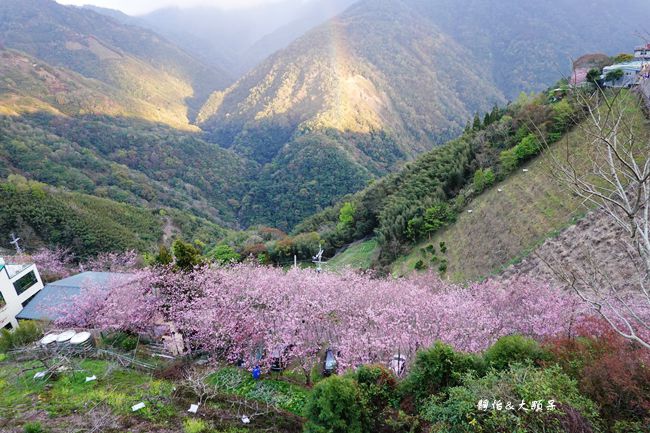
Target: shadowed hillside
(127,160)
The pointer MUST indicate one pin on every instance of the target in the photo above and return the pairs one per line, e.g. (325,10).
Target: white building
(18,284)
(631,73)
(642,52)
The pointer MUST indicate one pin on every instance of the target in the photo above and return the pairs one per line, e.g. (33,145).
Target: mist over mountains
(236,39)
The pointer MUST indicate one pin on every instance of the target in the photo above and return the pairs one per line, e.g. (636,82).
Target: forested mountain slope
(344,104)
(430,193)
(127,160)
(526,45)
(389,79)
(510,210)
(238,39)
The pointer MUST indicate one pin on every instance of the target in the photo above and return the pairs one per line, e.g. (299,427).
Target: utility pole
(14,242)
(318,258)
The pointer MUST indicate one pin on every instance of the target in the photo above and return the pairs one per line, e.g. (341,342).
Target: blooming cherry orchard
(250,314)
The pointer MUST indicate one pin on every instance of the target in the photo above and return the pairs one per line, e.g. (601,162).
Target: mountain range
(155,111)
(387,80)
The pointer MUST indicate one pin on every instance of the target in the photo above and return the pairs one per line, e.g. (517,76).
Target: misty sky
(134,7)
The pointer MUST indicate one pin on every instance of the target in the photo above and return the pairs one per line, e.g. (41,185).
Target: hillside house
(642,52)
(19,283)
(632,73)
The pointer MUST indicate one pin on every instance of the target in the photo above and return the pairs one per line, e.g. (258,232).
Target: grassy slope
(505,226)
(357,256)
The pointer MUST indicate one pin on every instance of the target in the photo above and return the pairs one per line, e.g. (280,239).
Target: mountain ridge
(133,61)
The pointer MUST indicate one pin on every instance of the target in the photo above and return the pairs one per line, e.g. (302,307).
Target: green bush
(631,427)
(186,255)
(458,410)
(334,407)
(513,349)
(508,160)
(527,148)
(192,425)
(437,369)
(26,333)
(224,254)
(378,391)
(614,75)
(121,340)
(346,217)
(483,179)
(33,427)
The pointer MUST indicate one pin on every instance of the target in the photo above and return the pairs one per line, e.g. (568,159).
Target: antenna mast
(14,242)
(318,258)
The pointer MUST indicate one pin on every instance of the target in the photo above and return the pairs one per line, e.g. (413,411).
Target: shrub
(574,413)
(186,255)
(346,216)
(378,391)
(611,371)
(121,340)
(527,148)
(33,427)
(513,349)
(420,266)
(401,422)
(192,425)
(26,333)
(614,75)
(438,216)
(483,179)
(508,160)
(437,369)
(594,75)
(224,254)
(631,427)
(334,407)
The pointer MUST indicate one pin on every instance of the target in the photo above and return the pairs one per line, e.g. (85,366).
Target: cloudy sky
(134,7)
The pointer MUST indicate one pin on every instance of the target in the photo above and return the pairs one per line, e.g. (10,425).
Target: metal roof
(633,65)
(47,304)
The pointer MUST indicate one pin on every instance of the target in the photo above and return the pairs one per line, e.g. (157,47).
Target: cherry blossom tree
(250,314)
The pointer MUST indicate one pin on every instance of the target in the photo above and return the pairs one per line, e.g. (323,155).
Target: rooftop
(634,64)
(13,269)
(52,299)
